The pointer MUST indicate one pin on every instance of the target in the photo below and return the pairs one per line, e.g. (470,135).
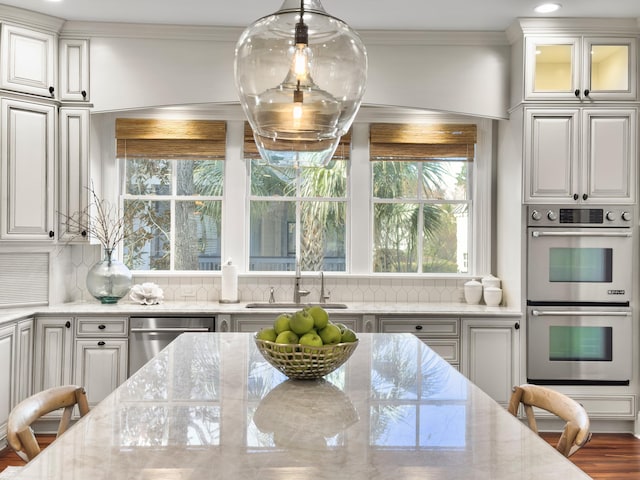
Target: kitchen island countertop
(209,406)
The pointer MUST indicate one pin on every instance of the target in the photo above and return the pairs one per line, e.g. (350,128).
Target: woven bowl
(303,362)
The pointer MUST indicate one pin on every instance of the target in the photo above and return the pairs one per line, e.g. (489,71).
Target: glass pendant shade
(300,83)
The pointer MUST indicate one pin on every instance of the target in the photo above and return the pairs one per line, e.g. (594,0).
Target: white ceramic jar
(491,281)
(492,296)
(472,292)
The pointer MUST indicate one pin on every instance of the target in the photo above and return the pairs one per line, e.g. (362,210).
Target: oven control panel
(587,216)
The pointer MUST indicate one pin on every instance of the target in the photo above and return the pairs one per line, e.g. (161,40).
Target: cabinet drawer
(449,348)
(102,326)
(436,327)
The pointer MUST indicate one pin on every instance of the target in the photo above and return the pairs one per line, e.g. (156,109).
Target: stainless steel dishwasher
(149,335)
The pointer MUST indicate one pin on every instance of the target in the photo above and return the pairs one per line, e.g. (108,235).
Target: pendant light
(300,75)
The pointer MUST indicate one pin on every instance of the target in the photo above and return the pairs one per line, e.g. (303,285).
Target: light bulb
(301,62)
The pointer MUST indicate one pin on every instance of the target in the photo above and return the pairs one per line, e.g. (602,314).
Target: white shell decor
(147,293)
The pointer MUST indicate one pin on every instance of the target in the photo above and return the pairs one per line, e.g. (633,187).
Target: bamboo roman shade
(160,138)
(396,141)
(251,150)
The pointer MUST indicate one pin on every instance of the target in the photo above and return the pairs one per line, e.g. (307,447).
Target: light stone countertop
(125,307)
(209,406)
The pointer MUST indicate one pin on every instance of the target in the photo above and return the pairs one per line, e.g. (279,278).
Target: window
(173,179)
(421,177)
(297,212)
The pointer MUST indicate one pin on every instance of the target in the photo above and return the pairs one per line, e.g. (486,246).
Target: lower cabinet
(101,352)
(53,355)
(441,334)
(7,372)
(24,360)
(491,355)
(90,351)
(100,366)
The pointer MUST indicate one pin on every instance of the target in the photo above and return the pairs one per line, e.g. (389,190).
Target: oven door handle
(595,233)
(585,313)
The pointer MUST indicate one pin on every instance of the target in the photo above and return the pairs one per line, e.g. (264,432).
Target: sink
(294,305)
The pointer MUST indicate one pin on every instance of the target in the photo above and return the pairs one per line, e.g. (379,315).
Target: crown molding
(30,19)
(575,26)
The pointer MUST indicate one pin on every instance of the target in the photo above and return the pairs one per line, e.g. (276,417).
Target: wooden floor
(605,457)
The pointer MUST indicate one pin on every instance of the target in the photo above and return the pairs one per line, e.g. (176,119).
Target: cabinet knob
(577,93)
(517,326)
(101,343)
(586,92)
(418,327)
(584,196)
(68,324)
(102,327)
(51,234)
(575,196)
(83,233)
(84,94)
(51,90)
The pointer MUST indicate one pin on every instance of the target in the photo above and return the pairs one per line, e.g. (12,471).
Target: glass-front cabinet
(580,68)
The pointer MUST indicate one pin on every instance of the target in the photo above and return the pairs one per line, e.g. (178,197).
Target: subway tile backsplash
(201,288)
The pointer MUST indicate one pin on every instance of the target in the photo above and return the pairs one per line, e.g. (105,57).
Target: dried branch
(100,220)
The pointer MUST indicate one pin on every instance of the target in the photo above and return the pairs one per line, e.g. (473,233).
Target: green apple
(287,337)
(348,336)
(267,334)
(330,334)
(312,339)
(341,326)
(301,322)
(281,323)
(320,316)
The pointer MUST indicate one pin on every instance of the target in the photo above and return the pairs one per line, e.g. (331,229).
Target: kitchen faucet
(298,292)
(323,297)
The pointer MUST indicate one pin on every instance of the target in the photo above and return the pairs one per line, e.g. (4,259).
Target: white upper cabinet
(582,69)
(73,174)
(27,155)
(74,69)
(28,61)
(580,155)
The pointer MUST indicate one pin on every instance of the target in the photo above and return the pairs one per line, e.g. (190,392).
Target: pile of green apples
(310,326)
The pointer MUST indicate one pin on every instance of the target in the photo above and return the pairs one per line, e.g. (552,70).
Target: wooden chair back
(19,432)
(576,431)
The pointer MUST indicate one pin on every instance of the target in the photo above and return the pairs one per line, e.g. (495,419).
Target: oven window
(584,344)
(580,264)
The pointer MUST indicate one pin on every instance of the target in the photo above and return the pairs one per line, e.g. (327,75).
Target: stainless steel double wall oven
(579,287)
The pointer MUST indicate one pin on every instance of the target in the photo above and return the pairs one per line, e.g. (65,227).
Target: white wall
(146,66)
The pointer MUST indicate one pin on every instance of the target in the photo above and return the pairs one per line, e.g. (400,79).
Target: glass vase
(109,280)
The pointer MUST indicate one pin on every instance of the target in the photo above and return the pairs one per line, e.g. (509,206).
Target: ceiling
(468,15)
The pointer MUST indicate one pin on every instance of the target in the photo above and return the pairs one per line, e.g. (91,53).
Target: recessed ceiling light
(547,7)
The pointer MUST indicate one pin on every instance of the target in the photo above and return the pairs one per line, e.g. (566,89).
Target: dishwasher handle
(169,330)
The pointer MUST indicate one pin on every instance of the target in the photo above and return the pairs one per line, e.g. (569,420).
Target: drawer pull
(418,327)
(68,324)
(101,343)
(102,327)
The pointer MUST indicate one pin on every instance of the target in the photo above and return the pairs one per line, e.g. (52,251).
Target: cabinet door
(24,360)
(73,197)
(101,366)
(551,155)
(53,352)
(7,346)
(609,71)
(609,155)
(28,60)
(74,69)
(491,355)
(27,160)
(552,68)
